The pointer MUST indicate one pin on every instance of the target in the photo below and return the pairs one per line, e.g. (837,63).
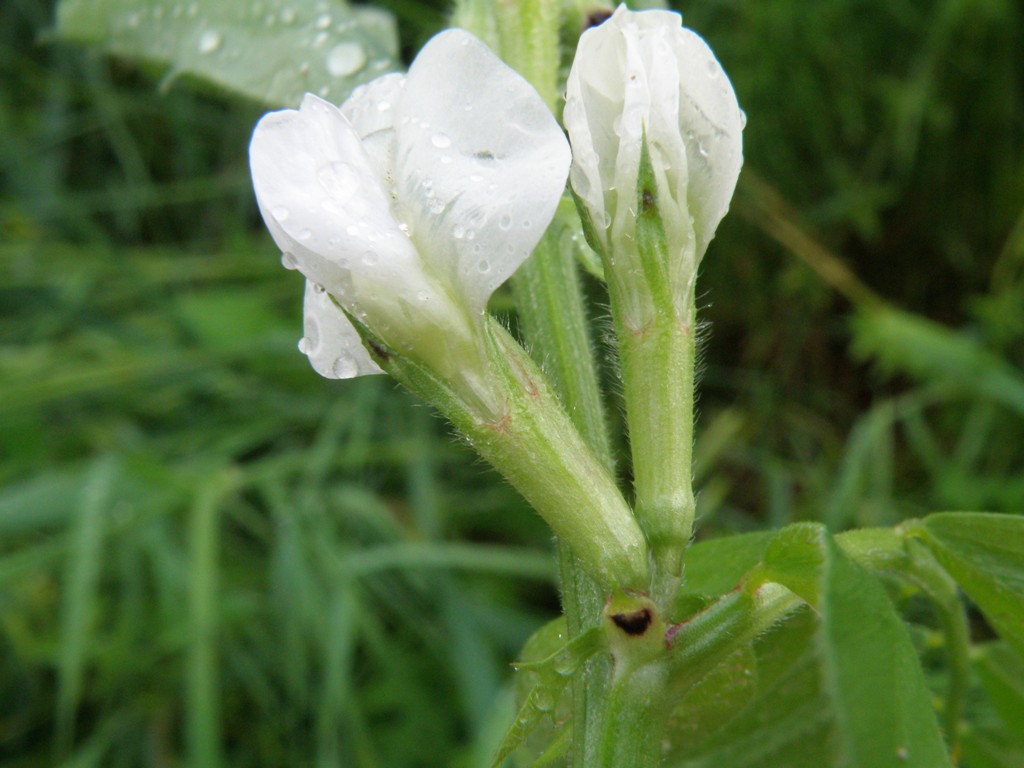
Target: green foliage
(248,48)
(985,554)
(208,555)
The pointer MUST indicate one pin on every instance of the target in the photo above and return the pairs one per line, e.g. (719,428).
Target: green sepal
(535,446)
(651,242)
(589,230)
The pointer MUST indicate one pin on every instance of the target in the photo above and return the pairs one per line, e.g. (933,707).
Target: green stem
(553,318)
(657,365)
(637,715)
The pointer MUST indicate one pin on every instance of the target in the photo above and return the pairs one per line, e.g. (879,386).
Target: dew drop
(288,261)
(743,119)
(483,266)
(345,59)
(544,699)
(383,106)
(459,232)
(702,148)
(210,41)
(370,258)
(505,222)
(712,68)
(422,295)
(404,228)
(345,368)
(305,347)
(280,213)
(441,141)
(306,234)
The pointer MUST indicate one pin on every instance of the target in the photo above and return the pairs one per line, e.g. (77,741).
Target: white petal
(323,202)
(371,111)
(331,342)
(479,161)
(709,108)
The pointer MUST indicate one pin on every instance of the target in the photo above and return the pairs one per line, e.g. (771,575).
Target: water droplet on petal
(459,232)
(319,289)
(345,59)
(210,41)
(702,148)
(441,141)
(422,295)
(383,106)
(484,266)
(370,258)
(345,368)
(743,119)
(505,222)
(306,234)
(280,213)
(288,261)
(404,228)
(305,347)
(712,68)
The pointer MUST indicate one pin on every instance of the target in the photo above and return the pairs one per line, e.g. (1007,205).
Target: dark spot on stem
(647,200)
(634,623)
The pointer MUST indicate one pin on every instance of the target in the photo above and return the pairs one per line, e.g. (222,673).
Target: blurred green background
(211,556)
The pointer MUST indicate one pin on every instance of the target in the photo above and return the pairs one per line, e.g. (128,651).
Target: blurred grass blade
(272,51)
(202,702)
(80,599)
(903,343)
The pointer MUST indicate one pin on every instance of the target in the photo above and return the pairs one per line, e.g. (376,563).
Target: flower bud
(655,128)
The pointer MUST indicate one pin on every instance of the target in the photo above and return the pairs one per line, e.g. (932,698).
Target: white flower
(642,74)
(411,203)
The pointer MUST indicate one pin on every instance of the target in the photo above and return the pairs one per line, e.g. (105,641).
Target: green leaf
(870,671)
(712,568)
(787,724)
(985,554)
(547,666)
(1002,673)
(272,51)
